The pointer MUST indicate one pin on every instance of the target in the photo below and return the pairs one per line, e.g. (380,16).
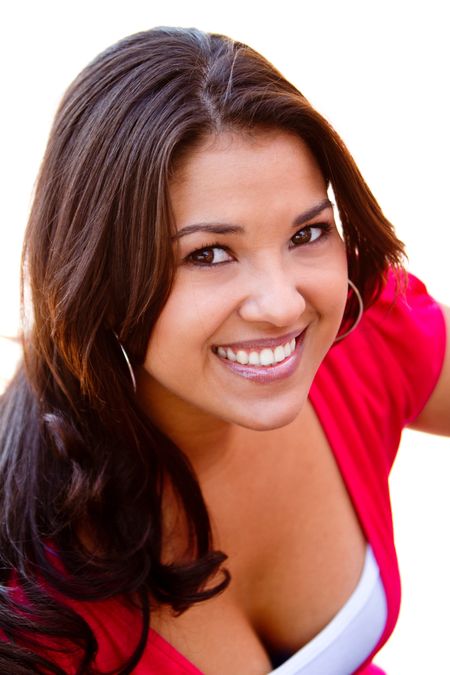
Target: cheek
(329,293)
(338,286)
(185,326)
(330,306)
(339,299)
(331,272)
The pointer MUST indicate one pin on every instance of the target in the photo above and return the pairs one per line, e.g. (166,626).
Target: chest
(295,547)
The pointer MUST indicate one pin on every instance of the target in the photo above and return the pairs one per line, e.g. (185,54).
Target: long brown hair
(75,447)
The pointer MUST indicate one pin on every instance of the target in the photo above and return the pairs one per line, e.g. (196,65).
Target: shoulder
(435,416)
(392,363)
(406,333)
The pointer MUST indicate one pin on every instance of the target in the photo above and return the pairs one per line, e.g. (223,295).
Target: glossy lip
(268,374)
(257,345)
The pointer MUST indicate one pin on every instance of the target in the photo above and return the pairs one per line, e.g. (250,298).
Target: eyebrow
(225,228)
(313,212)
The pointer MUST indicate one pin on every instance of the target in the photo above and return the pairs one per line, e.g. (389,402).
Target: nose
(272,295)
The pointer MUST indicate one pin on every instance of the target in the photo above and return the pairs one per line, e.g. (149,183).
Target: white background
(379,71)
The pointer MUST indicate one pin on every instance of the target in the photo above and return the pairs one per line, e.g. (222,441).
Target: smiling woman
(196,448)
(277,280)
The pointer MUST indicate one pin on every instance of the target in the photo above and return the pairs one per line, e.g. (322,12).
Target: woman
(190,290)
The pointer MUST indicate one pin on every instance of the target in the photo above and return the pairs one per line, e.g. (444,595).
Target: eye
(310,234)
(209,256)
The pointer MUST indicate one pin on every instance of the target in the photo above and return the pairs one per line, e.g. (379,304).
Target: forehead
(233,169)
(237,148)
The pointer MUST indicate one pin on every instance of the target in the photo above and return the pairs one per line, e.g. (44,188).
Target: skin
(309,538)
(263,286)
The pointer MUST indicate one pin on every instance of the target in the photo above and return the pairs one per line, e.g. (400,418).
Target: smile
(263,361)
(263,357)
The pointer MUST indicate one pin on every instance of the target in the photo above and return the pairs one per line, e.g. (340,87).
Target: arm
(435,417)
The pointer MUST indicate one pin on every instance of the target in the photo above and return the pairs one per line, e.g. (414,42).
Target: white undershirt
(351,636)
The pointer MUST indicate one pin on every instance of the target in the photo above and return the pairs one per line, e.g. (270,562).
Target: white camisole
(350,637)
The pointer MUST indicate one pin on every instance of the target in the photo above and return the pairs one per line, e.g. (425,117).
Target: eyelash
(189,259)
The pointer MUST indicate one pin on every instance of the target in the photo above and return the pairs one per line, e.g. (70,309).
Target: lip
(269,343)
(268,374)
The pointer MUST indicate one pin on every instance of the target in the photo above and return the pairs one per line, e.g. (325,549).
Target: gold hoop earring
(127,360)
(360,311)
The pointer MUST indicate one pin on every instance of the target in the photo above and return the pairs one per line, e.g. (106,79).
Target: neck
(207,441)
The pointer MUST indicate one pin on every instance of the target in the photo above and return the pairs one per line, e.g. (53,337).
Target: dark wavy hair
(76,450)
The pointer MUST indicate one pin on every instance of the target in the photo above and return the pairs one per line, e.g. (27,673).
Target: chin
(268,420)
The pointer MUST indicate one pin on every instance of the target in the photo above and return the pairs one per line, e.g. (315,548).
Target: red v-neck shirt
(368,388)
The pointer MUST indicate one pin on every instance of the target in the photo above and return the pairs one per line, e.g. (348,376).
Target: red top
(370,385)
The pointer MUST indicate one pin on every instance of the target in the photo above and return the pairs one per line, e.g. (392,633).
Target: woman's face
(260,286)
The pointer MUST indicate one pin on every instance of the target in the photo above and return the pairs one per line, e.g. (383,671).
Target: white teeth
(279,354)
(265,357)
(231,356)
(242,357)
(253,359)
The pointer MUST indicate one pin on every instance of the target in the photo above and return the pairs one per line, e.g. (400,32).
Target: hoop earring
(127,360)
(360,311)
